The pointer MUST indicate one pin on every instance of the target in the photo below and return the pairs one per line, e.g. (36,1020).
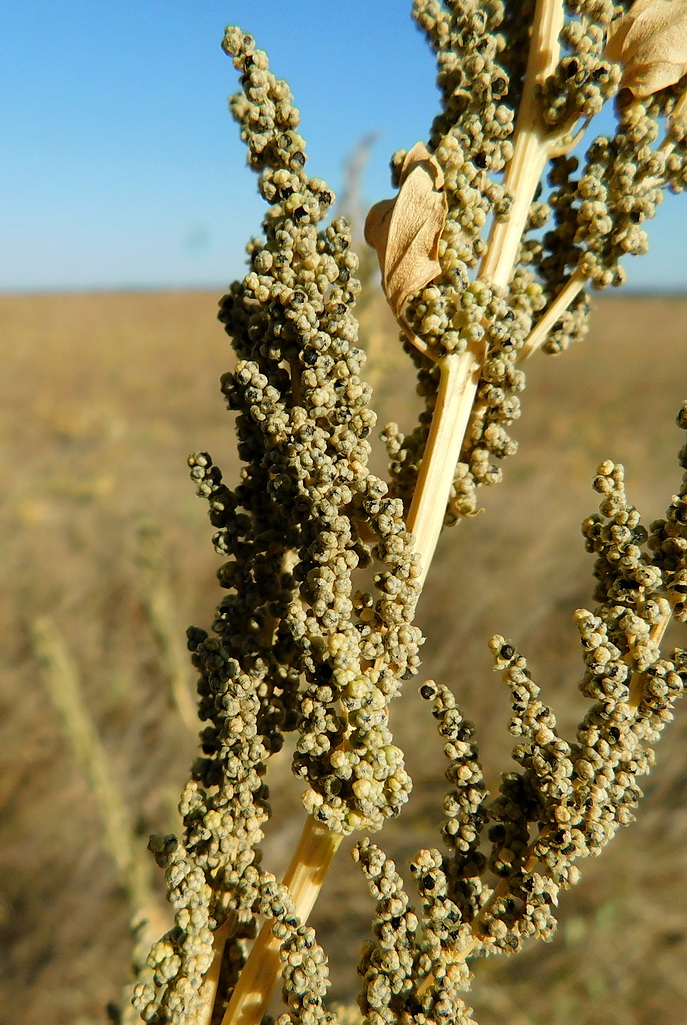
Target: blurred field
(107,559)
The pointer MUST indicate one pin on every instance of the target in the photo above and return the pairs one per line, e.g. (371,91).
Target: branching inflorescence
(485,259)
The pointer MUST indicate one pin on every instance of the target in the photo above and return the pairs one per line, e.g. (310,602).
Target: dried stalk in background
(61,678)
(158,600)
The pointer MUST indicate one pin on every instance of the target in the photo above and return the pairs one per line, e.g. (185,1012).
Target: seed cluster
(564,802)
(302,641)
(304,963)
(471,139)
(503,327)
(315,632)
(668,540)
(307,498)
(212,878)
(598,215)
(308,512)
(583,80)
(587,223)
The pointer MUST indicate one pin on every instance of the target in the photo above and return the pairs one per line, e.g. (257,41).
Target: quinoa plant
(487,252)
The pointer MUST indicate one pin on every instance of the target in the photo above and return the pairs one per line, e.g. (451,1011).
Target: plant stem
(538,334)
(208,991)
(532,148)
(304,878)
(460,374)
(637,680)
(457,386)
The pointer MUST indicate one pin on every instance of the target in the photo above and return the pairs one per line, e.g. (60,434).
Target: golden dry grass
(103,397)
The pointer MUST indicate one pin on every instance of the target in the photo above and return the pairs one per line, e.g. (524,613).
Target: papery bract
(650,42)
(405,231)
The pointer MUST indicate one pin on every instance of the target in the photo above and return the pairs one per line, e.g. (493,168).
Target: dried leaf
(405,231)
(650,42)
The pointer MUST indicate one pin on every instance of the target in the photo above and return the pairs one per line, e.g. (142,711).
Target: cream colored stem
(304,878)
(638,679)
(527,166)
(537,336)
(532,148)
(460,374)
(457,386)
(208,991)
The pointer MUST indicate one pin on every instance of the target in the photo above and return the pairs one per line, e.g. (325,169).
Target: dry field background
(107,559)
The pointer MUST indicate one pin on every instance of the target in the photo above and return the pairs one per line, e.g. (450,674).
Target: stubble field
(107,558)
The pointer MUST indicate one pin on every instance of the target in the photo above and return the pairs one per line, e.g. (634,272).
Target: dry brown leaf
(405,231)
(650,42)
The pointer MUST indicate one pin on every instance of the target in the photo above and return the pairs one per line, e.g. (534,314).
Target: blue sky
(121,166)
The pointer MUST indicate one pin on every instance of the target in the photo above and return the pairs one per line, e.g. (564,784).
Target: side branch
(304,878)
(554,311)
(460,374)
(532,146)
(457,387)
